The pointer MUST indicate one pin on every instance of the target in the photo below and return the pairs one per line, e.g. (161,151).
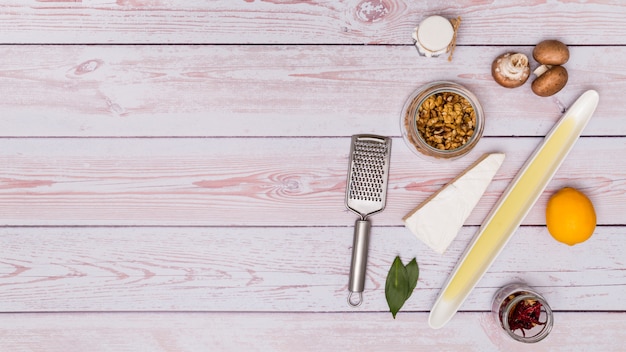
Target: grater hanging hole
(352,302)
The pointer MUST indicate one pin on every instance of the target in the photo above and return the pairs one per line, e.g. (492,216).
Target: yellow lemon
(570,216)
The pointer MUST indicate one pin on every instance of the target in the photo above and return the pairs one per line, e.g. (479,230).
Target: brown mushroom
(549,82)
(551,76)
(551,52)
(510,70)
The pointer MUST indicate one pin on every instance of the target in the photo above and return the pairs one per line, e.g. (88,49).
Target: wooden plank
(299,22)
(174,332)
(282,269)
(259,181)
(275,90)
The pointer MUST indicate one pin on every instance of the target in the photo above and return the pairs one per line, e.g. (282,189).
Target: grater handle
(359,261)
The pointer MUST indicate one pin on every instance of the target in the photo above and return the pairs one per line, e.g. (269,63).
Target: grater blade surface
(368,174)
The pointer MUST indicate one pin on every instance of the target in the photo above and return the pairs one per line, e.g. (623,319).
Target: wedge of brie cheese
(437,221)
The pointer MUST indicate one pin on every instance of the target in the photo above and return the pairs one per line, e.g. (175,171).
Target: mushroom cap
(551,52)
(550,82)
(510,70)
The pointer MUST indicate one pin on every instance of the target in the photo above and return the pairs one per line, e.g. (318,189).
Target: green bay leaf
(396,286)
(413,274)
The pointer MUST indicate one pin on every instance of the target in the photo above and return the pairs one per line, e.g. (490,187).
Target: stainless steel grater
(366,193)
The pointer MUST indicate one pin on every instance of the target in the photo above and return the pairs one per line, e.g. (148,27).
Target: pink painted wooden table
(172,173)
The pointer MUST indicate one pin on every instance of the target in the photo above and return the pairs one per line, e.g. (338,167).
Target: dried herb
(413,273)
(525,315)
(401,281)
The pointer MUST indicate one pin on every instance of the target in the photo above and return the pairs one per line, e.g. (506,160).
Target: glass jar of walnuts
(442,120)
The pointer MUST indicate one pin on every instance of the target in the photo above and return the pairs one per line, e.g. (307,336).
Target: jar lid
(433,35)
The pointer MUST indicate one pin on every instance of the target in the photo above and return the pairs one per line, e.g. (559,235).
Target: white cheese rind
(437,221)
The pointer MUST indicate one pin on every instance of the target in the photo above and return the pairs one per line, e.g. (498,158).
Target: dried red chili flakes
(525,315)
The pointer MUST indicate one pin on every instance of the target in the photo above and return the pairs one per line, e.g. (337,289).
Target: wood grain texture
(172,173)
(282,269)
(306,22)
(260,181)
(175,332)
(138,91)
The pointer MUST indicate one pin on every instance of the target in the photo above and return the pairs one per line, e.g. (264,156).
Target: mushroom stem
(513,67)
(541,70)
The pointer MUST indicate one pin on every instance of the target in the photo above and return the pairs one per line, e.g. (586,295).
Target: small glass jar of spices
(522,313)
(436,35)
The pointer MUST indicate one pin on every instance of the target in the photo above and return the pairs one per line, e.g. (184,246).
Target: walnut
(446,120)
